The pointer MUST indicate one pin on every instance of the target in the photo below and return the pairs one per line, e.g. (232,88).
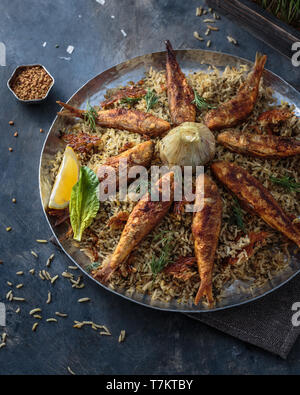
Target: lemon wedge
(66,178)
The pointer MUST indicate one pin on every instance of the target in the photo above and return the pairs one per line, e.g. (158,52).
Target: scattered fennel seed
(41,241)
(34,326)
(2,345)
(209,21)
(17,299)
(18,310)
(232,40)
(20,273)
(9,283)
(208,43)
(4,336)
(19,286)
(198,11)
(207,32)
(39,317)
(31,271)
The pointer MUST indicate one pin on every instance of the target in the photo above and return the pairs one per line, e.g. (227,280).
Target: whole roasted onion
(189,144)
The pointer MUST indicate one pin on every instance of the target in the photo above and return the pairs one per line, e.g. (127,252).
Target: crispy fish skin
(140,155)
(237,109)
(206,229)
(256,197)
(120,118)
(142,220)
(263,146)
(180,94)
(274,116)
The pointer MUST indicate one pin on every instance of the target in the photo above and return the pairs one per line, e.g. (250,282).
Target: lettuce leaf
(84,203)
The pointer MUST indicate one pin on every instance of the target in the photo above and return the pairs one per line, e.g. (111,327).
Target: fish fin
(104,273)
(70,111)
(205,289)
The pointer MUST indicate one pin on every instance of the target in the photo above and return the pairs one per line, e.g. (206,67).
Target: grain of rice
(20,273)
(42,241)
(73,267)
(198,11)
(83,300)
(232,40)
(196,35)
(38,316)
(49,298)
(41,276)
(9,283)
(71,371)
(122,336)
(2,345)
(209,21)
(208,43)
(18,310)
(32,271)
(34,326)
(54,279)
(8,294)
(214,28)
(61,314)
(36,310)
(34,254)
(49,260)
(207,32)
(51,320)
(4,336)
(19,286)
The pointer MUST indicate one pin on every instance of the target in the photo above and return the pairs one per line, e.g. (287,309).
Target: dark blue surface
(156,342)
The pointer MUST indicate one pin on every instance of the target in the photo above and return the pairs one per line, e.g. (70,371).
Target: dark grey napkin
(266,323)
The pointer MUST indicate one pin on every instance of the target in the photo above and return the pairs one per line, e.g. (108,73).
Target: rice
(215,87)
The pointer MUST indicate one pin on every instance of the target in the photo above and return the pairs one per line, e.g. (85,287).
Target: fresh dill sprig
(93,266)
(151,99)
(130,100)
(201,103)
(157,264)
(90,116)
(238,216)
(286,182)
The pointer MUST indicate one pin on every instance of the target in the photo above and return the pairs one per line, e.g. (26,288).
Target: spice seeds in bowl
(30,83)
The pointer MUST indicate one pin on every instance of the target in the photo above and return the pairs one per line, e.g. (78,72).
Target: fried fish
(261,145)
(256,197)
(206,228)
(145,216)
(180,94)
(120,118)
(237,109)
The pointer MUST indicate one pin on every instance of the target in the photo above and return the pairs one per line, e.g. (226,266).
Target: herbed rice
(246,274)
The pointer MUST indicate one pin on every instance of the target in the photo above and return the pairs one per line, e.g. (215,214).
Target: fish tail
(260,61)
(104,273)
(70,111)
(205,289)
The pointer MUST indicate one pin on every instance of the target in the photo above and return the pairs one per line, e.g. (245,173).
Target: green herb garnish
(90,116)
(130,100)
(84,202)
(238,216)
(151,99)
(157,264)
(286,182)
(93,266)
(200,102)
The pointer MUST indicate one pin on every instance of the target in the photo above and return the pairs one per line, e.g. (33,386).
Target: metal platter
(134,70)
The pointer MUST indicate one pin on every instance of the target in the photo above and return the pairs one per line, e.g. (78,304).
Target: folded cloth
(266,323)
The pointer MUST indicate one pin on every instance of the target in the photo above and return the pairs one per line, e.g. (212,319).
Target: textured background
(156,342)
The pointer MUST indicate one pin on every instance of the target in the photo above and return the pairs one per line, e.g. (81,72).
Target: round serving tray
(134,70)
